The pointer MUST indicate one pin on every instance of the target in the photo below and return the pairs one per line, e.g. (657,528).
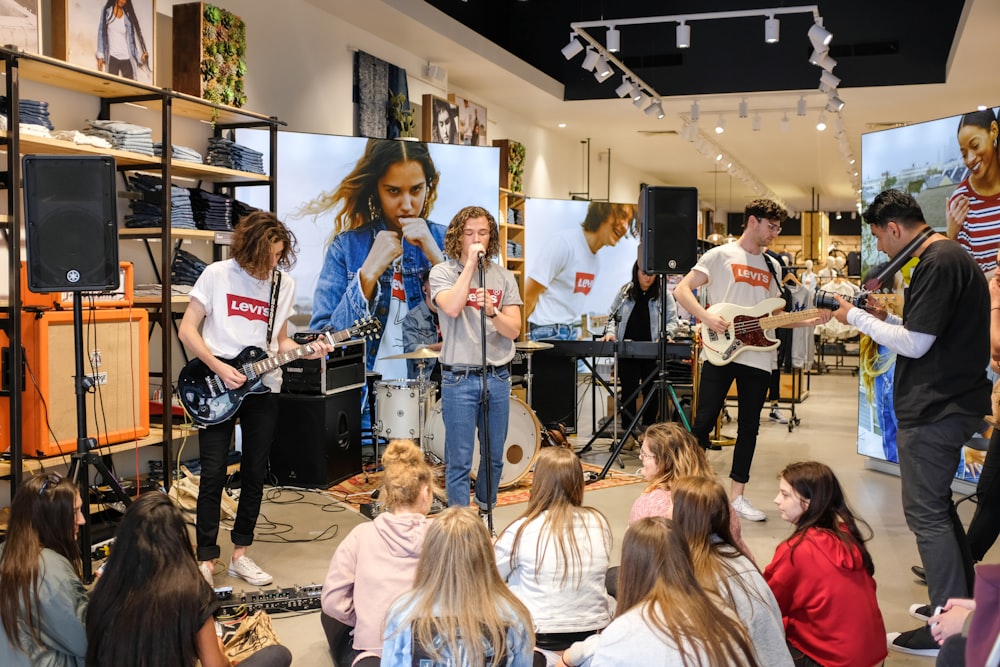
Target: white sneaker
(746,510)
(246,569)
(207,569)
(776,416)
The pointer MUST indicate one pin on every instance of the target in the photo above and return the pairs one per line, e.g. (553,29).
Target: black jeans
(751,388)
(257,416)
(985,524)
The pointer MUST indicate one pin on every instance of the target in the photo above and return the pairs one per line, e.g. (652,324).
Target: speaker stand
(79,469)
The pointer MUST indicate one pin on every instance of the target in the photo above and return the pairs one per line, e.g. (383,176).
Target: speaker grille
(669,219)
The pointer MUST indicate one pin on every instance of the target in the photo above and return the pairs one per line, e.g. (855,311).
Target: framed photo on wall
(19,24)
(113,36)
(471,121)
(440,121)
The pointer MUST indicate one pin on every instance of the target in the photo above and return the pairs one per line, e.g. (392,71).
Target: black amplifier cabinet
(341,370)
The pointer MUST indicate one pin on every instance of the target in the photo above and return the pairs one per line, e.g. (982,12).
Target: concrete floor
(305,528)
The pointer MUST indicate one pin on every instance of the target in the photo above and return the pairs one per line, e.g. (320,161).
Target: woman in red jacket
(822,574)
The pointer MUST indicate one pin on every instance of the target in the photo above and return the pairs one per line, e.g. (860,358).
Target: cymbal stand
(421,402)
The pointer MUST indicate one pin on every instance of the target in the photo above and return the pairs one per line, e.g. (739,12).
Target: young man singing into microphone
(471,242)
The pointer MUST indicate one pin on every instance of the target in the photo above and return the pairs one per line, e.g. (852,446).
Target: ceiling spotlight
(784,122)
(655,109)
(720,125)
(435,72)
(695,111)
(624,88)
(755,123)
(823,59)
(574,47)
(800,108)
(830,79)
(636,92)
(821,124)
(639,101)
(603,70)
(982,107)
(834,104)
(683,35)
(718,157)
(590,60)
(613,40)
(743,108)
(819,36)
(771,29)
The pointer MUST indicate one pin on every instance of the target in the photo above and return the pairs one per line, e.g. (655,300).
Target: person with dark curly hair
(473,238)
(242,301)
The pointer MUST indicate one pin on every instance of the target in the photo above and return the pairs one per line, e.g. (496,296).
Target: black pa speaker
(669,218)
(318,440)
(71,223)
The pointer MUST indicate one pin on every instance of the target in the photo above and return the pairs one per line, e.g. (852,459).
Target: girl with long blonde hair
(664,615)
(378,559)
(555,555)
(460,612)
(701,516)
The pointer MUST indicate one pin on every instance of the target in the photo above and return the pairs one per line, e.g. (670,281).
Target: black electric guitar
(205,397)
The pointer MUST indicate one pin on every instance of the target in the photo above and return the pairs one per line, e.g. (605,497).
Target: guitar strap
(785,292)
(275,288)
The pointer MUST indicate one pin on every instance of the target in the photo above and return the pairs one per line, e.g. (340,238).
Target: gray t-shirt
(460,341)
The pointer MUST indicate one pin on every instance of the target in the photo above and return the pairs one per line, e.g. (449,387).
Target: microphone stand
(484,400)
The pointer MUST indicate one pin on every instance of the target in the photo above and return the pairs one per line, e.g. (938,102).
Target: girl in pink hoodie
(377,561)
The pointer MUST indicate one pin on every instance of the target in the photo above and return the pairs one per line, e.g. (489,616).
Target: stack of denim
(514,249)
(178,152)
(148,211)
(240,210)
(229,154)
(212,211)
(185,268)
(32,112)
(122,136)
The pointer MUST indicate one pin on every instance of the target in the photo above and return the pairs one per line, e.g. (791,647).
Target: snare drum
(399,410)
(519,450)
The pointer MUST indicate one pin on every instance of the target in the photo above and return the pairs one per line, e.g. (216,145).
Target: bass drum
(519,450)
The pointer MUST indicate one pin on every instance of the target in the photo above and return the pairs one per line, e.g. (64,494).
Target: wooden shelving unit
(164,107)
(513,231)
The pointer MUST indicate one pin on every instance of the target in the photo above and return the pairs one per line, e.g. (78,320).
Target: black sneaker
(913,642)
(921,612)
(919,573)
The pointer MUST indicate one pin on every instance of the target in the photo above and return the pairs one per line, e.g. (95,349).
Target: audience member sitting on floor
(152,606)
(669,451)
(555,555)
(376,562)
(968,636)
(822,574)
(664,616)
(459,613)
(42,600)
(701,516)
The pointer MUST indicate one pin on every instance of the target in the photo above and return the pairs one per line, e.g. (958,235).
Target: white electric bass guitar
(748,329)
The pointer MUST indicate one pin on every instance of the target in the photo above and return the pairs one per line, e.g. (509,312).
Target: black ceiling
(875,43)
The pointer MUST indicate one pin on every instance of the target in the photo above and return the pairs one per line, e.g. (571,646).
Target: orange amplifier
(116,356)
(123,297)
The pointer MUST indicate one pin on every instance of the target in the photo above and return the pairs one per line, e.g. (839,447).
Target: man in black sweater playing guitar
(737,277)
(242,301)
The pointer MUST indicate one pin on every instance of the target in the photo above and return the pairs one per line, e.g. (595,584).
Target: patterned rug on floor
(355,491)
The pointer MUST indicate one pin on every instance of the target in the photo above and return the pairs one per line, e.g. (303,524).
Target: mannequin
(808,278)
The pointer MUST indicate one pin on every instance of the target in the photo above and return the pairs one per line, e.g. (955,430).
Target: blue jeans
(462,413)
(551,331)
(928,457)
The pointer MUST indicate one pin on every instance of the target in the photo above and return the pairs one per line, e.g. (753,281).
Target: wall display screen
(337,225)
(925,160)
(571,280)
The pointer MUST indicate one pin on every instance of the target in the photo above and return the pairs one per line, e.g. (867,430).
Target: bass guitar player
(740,275)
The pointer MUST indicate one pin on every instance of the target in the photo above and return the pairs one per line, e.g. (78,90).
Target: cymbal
(532,346)
(419,353)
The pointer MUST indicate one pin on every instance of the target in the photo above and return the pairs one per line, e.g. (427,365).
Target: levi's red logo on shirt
(398,292)
(496,297)
(251,309)
(752,276)
(584,281)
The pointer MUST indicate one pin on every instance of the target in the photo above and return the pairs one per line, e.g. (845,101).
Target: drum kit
(409,409)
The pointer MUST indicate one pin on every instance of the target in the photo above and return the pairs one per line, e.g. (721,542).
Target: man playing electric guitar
(738,274)
(243,301)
